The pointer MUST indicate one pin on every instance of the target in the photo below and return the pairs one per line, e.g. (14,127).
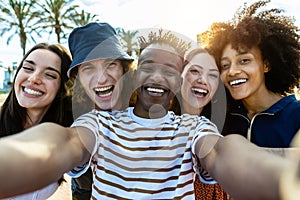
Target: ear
(181,80)
(134,73)
(134,76)
(267,67)
(179,85)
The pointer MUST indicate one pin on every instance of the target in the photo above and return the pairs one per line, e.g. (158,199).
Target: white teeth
(155,90)
(33,92)
(106,94)
(103,89)
(199,90)
(235,82)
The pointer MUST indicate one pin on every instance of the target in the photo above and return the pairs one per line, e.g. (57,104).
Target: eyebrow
(153,62)
(199,66)
(239,53)
(49,68)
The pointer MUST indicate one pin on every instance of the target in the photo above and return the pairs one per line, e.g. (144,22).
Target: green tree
(84,18)
(58,16)
(17,18)
(129,40)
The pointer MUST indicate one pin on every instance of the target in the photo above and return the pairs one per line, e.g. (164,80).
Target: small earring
(266,69)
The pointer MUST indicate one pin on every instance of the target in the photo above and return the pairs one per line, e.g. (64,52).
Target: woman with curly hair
(258,58)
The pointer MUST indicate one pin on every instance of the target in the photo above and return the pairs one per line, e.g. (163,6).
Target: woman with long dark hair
(39,94)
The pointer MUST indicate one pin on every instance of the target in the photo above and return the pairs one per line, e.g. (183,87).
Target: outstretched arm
(290,180)
(40,155)
(244,170)
(284,152)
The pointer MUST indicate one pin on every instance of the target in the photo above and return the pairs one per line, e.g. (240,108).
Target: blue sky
(187,17)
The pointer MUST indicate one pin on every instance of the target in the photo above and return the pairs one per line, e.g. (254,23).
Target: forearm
(33,159)
(244,170)
(290,152)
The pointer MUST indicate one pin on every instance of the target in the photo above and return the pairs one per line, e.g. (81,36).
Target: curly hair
(178,44)
(274,34)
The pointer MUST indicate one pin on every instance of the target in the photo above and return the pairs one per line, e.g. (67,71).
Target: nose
(234,70)
(157,76)
(202,79)
(102,75)
(35,78)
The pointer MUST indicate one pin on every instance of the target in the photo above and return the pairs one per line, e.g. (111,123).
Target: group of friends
(166,128)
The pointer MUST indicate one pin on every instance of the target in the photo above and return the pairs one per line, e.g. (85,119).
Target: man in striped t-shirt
(144,152)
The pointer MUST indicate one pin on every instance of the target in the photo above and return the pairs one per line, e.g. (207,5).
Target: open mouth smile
(199,92)
(32,92)
(155,91)
(237,82)
(104,91)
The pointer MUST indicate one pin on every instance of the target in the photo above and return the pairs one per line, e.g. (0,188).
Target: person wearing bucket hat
(99,69)
(95,41)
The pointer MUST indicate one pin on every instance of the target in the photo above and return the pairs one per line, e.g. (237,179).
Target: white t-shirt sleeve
(89,121)
(205,127)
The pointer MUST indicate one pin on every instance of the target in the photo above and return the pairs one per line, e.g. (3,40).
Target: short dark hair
(162,37)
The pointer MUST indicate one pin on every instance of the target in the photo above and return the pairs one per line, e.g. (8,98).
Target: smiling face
(38,80)
(242,72)
(101,80)
(200,82)
(157,79)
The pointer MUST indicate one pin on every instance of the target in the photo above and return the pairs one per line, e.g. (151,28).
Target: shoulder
(102,114)
(291,109)
(285,105)
(198,120)
(293,103)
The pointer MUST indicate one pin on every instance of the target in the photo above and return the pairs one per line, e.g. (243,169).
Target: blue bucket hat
(94,41)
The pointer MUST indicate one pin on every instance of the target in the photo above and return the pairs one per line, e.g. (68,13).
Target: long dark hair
(13,116)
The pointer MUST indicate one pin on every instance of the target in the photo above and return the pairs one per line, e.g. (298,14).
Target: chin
(103,107)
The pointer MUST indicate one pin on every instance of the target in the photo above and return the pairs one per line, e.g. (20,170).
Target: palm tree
(16,18)
(84,18)
(58,16)
(129,40)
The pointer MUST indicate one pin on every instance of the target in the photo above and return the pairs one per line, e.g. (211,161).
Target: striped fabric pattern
(144,158)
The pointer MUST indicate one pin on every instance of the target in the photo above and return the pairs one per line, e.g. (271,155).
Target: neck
(34,117)
(155,111)
(257,105)
(118,106)
(191,110)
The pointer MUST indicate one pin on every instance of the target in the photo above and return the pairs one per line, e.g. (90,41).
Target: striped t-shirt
(137,158)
